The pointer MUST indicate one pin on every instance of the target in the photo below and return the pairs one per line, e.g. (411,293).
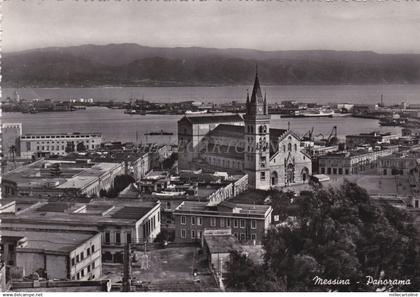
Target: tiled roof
(131,213)
(213,119)
(228,131)
(222,243)
(275,133)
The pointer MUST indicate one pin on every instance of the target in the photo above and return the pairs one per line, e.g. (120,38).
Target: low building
(247,222)
(58,255)
(42,145)
(352,162)
(50,178)
(372,139)
(402,163)
(218,248)
(119,221)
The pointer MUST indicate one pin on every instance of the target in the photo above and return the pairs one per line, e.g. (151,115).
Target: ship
(389,122)
(196,112)
(161,132)
(315,112)
(135,111)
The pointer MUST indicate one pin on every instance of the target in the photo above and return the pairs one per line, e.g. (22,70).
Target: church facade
(271,157)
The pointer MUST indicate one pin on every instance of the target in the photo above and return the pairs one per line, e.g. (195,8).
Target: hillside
(136,65)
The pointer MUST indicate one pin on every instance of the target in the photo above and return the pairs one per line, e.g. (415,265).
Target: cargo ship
(161,132)
(314,112)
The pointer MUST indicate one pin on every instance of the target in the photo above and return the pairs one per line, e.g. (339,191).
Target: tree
(69,147)
(339,234)
(120,183)
(12,150)
(55,170)
(81,147)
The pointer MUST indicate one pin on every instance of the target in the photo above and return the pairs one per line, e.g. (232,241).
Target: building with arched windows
(271,157)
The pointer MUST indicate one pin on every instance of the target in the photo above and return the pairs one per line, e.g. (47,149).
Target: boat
(315,112)
(196,112)
(161,132)
(388,122)
(135,111)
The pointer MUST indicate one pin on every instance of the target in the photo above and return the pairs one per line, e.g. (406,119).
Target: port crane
(308,136)
(330,140)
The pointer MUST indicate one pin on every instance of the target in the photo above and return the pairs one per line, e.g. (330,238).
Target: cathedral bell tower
(257,139)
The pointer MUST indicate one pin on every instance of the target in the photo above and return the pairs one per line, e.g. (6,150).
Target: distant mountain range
(136,65)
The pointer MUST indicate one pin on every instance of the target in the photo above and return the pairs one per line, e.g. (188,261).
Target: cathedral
(271,157)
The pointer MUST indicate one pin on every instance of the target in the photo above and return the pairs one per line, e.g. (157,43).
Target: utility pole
(127,269)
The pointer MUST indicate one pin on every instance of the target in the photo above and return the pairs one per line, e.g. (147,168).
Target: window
(322,170)
(340,171)
(78,276)
(73,262)
(242,223)
(93,265)
(235,234)
(93,248)
(263,161)
(328,170)
(289,147)
(82,272)
(284,148)
(213,222)
(334,170)
(227,222)
(88,252)
(192,234)
(192,220)
(77,259)
(235,223)
(347,171)
(222,222)
(242,236)
(416,204)
(88,268)
(262,177)
(183,233)
(200,234)
(253,236)
(183,220)
(253,224)
(118,237)
(82,256)
(128,237)
(199,221)
(107,237)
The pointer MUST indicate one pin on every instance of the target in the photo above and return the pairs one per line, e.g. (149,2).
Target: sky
(388,26)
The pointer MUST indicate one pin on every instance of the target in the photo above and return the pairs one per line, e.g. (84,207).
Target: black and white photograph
(210,146)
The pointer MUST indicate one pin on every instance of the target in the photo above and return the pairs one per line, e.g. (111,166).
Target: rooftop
(72,174)
(95,213)
(49,241)
(222,243)
(226,130)
(213,119)
(224,207)
(74,134)
(130,212)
